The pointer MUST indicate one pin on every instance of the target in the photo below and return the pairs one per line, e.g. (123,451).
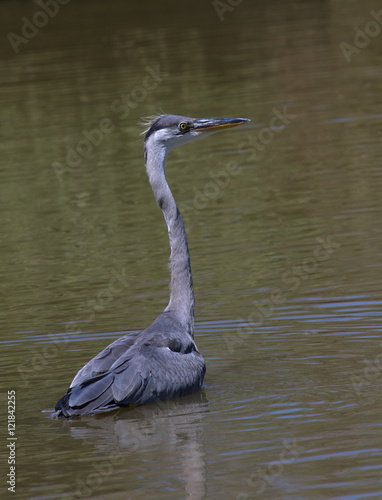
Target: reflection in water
(173,426)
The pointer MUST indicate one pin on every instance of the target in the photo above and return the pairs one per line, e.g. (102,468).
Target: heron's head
(171,131)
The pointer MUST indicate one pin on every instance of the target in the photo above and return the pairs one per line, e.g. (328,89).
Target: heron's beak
(215,124)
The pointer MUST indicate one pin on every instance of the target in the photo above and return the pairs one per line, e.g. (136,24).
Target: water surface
(284,224)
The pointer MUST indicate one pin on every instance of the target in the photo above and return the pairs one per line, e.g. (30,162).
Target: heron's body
(162,361)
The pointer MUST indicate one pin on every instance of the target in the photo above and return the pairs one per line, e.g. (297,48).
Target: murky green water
(284,227)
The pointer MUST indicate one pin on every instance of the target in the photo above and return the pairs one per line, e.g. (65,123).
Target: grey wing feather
(158,363)
(105,359)
(158,373)
(98,390)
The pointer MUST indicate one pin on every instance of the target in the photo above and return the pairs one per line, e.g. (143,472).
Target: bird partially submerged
(161,362)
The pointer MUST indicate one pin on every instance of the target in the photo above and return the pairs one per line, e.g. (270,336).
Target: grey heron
(162,361)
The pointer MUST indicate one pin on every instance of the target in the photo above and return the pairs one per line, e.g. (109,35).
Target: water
(283,219)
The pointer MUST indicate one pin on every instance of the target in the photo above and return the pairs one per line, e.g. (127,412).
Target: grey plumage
(162,361)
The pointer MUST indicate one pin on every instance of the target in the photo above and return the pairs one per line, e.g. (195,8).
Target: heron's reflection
(174,427)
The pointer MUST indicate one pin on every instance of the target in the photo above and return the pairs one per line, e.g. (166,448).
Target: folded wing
(135,369)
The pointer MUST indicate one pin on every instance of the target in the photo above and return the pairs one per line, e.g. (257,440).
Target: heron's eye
(183,126)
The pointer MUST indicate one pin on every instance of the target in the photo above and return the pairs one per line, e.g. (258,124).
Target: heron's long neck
(181,290)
